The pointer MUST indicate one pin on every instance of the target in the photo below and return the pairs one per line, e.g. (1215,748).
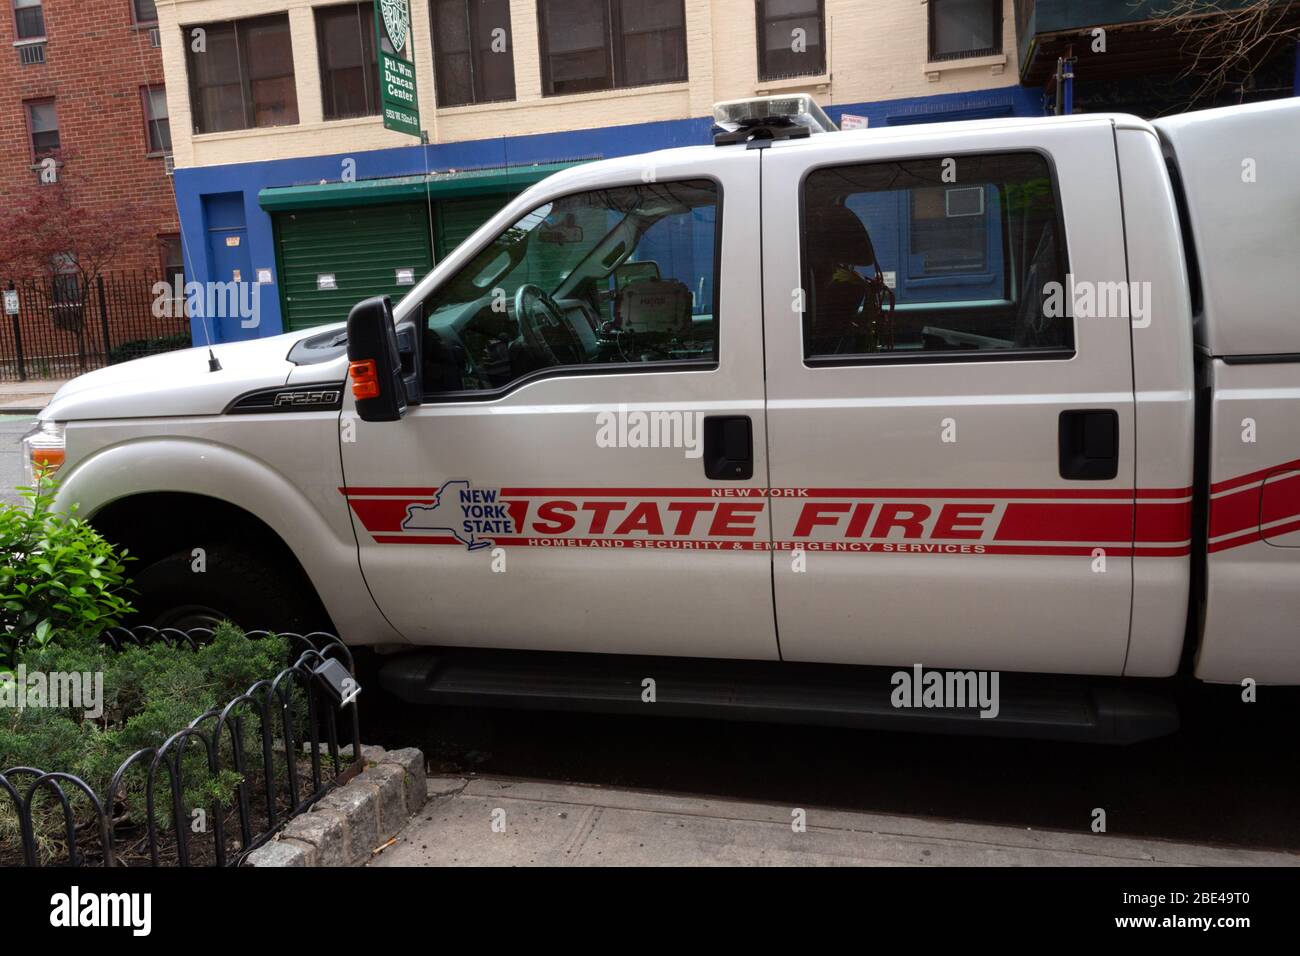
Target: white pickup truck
(762,424)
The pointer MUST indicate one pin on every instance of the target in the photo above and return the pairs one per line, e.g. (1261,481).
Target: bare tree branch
(1224,44)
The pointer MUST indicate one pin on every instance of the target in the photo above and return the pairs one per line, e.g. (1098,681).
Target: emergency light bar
(760,120)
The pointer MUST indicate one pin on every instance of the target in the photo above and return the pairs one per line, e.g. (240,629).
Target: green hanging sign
(397,94)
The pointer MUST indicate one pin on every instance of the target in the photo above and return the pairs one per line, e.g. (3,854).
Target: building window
(349,69)
(473,51)
(604,44)
(66,287)
(145,11)
(791,38)
(962,28)
(241,74)
(29,19)
(43,121)
(158,126)
(171,256)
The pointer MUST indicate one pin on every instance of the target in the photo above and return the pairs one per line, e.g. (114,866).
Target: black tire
(252,590)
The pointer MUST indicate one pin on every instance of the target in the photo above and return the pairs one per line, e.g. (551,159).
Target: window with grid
(43,121)
(349,69)
(473,51)
(158,126)
(591,45)
(241,74)
(791,38)
(29,20)
(964,28)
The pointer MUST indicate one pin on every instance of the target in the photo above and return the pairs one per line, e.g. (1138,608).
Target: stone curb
(347,825)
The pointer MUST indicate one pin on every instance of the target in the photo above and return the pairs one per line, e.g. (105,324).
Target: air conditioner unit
(31,54)
(964,201)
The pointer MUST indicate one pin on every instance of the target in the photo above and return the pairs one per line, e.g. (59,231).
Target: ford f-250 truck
(751,428)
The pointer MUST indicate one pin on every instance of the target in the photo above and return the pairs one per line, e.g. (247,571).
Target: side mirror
(375,363)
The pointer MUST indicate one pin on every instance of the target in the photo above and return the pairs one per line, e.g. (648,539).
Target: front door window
(622,277)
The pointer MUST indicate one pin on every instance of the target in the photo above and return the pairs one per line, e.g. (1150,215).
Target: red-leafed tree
(56,232)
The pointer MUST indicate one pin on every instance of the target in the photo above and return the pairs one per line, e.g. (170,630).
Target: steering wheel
(536,310)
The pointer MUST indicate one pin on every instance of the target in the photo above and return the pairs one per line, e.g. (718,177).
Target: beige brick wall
(877,51)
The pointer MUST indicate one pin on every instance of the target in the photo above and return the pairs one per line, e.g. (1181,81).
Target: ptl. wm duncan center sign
(397,94)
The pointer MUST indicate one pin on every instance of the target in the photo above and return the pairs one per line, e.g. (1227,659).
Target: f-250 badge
(328,398)
(462,512)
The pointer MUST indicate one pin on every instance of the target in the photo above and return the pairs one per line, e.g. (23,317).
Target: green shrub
(149,693)
(57,575)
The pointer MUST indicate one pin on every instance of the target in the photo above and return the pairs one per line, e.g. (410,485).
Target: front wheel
(225,582)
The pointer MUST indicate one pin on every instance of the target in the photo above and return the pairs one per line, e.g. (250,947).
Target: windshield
(578,237)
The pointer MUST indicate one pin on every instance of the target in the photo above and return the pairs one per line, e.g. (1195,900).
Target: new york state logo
(463,512)
(397,21)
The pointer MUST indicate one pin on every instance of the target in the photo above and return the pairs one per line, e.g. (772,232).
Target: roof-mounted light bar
(760,120)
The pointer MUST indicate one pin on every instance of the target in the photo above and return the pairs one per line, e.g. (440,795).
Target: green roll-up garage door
(457,218)
(362,249)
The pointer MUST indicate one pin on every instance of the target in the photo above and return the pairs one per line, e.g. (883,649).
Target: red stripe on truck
(1280,499)
(912,493)
(1236,518)
(1260,475)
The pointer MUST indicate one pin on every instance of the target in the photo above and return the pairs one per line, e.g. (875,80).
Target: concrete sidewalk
(27,397)
(551,824)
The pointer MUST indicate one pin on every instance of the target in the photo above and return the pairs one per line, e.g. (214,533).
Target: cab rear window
(931,258)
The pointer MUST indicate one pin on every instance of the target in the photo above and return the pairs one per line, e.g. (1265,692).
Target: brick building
(83,80)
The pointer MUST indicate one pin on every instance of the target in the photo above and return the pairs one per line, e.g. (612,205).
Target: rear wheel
(226,583)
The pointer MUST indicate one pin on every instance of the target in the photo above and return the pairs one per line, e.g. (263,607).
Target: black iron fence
(297,716)
(57,327)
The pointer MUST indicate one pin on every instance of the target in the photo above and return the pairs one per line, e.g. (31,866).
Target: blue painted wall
(888,216)
(195,187)
(946,107)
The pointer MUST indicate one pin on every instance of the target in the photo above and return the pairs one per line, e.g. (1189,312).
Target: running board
(1036,706)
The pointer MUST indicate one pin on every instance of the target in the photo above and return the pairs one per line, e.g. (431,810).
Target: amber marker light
(365,379)
(44,450)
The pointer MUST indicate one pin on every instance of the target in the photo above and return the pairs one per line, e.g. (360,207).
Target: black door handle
(1089,444)
(728,447)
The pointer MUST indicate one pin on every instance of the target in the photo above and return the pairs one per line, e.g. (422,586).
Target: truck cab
(971,395)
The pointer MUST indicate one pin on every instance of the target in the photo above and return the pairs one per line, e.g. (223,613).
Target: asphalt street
(12,429)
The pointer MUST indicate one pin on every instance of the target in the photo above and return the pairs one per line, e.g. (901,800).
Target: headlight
(43,450)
